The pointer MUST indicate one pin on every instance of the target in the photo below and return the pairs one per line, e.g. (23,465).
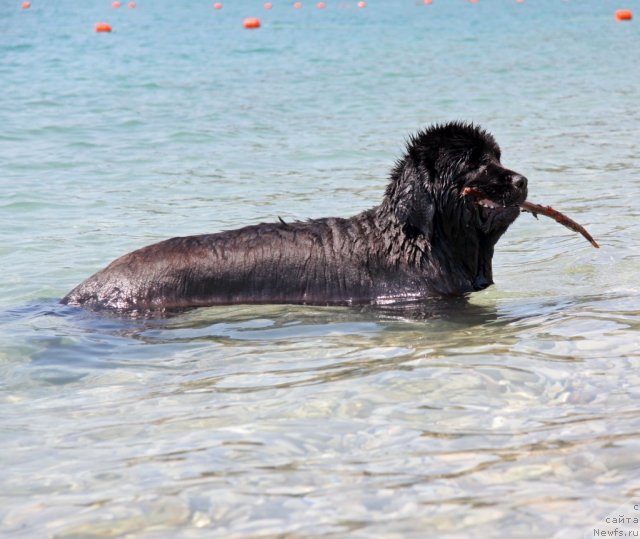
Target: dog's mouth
(482,199)
(493,213)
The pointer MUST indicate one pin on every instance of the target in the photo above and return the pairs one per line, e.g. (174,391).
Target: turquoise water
(514,415)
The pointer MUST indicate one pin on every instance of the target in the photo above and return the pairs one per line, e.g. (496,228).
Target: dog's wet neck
(462,259)
(457,263)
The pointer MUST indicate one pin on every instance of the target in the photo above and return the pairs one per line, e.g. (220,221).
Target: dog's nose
(519,182)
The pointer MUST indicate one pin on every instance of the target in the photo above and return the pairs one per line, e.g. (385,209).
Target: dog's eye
(474,173)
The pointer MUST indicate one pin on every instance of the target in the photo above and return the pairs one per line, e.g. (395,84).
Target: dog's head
(451,189)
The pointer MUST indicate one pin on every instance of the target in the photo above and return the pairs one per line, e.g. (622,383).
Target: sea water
(515,414)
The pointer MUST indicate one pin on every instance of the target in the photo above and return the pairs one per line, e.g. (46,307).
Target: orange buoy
(321,5)
(103,27)
(252,23)
(116,4)
(624,15)
(131,5)
(26,5)
(362,4)
(427,2)
(268,5)
(217,5)
(297,5)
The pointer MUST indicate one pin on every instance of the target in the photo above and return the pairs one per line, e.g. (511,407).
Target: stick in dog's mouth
(535,209)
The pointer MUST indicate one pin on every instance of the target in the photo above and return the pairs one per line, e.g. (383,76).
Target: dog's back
(329,260)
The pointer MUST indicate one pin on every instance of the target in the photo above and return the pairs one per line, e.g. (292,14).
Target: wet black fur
(424,239)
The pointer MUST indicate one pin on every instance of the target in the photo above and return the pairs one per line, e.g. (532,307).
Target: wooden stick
(548,211)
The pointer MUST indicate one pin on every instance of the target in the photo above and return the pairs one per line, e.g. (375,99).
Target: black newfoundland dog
(426,238)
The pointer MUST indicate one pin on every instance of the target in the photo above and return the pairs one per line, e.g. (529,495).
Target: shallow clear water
(516,414)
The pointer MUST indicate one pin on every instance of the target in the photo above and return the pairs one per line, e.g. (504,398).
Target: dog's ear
(414,207)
